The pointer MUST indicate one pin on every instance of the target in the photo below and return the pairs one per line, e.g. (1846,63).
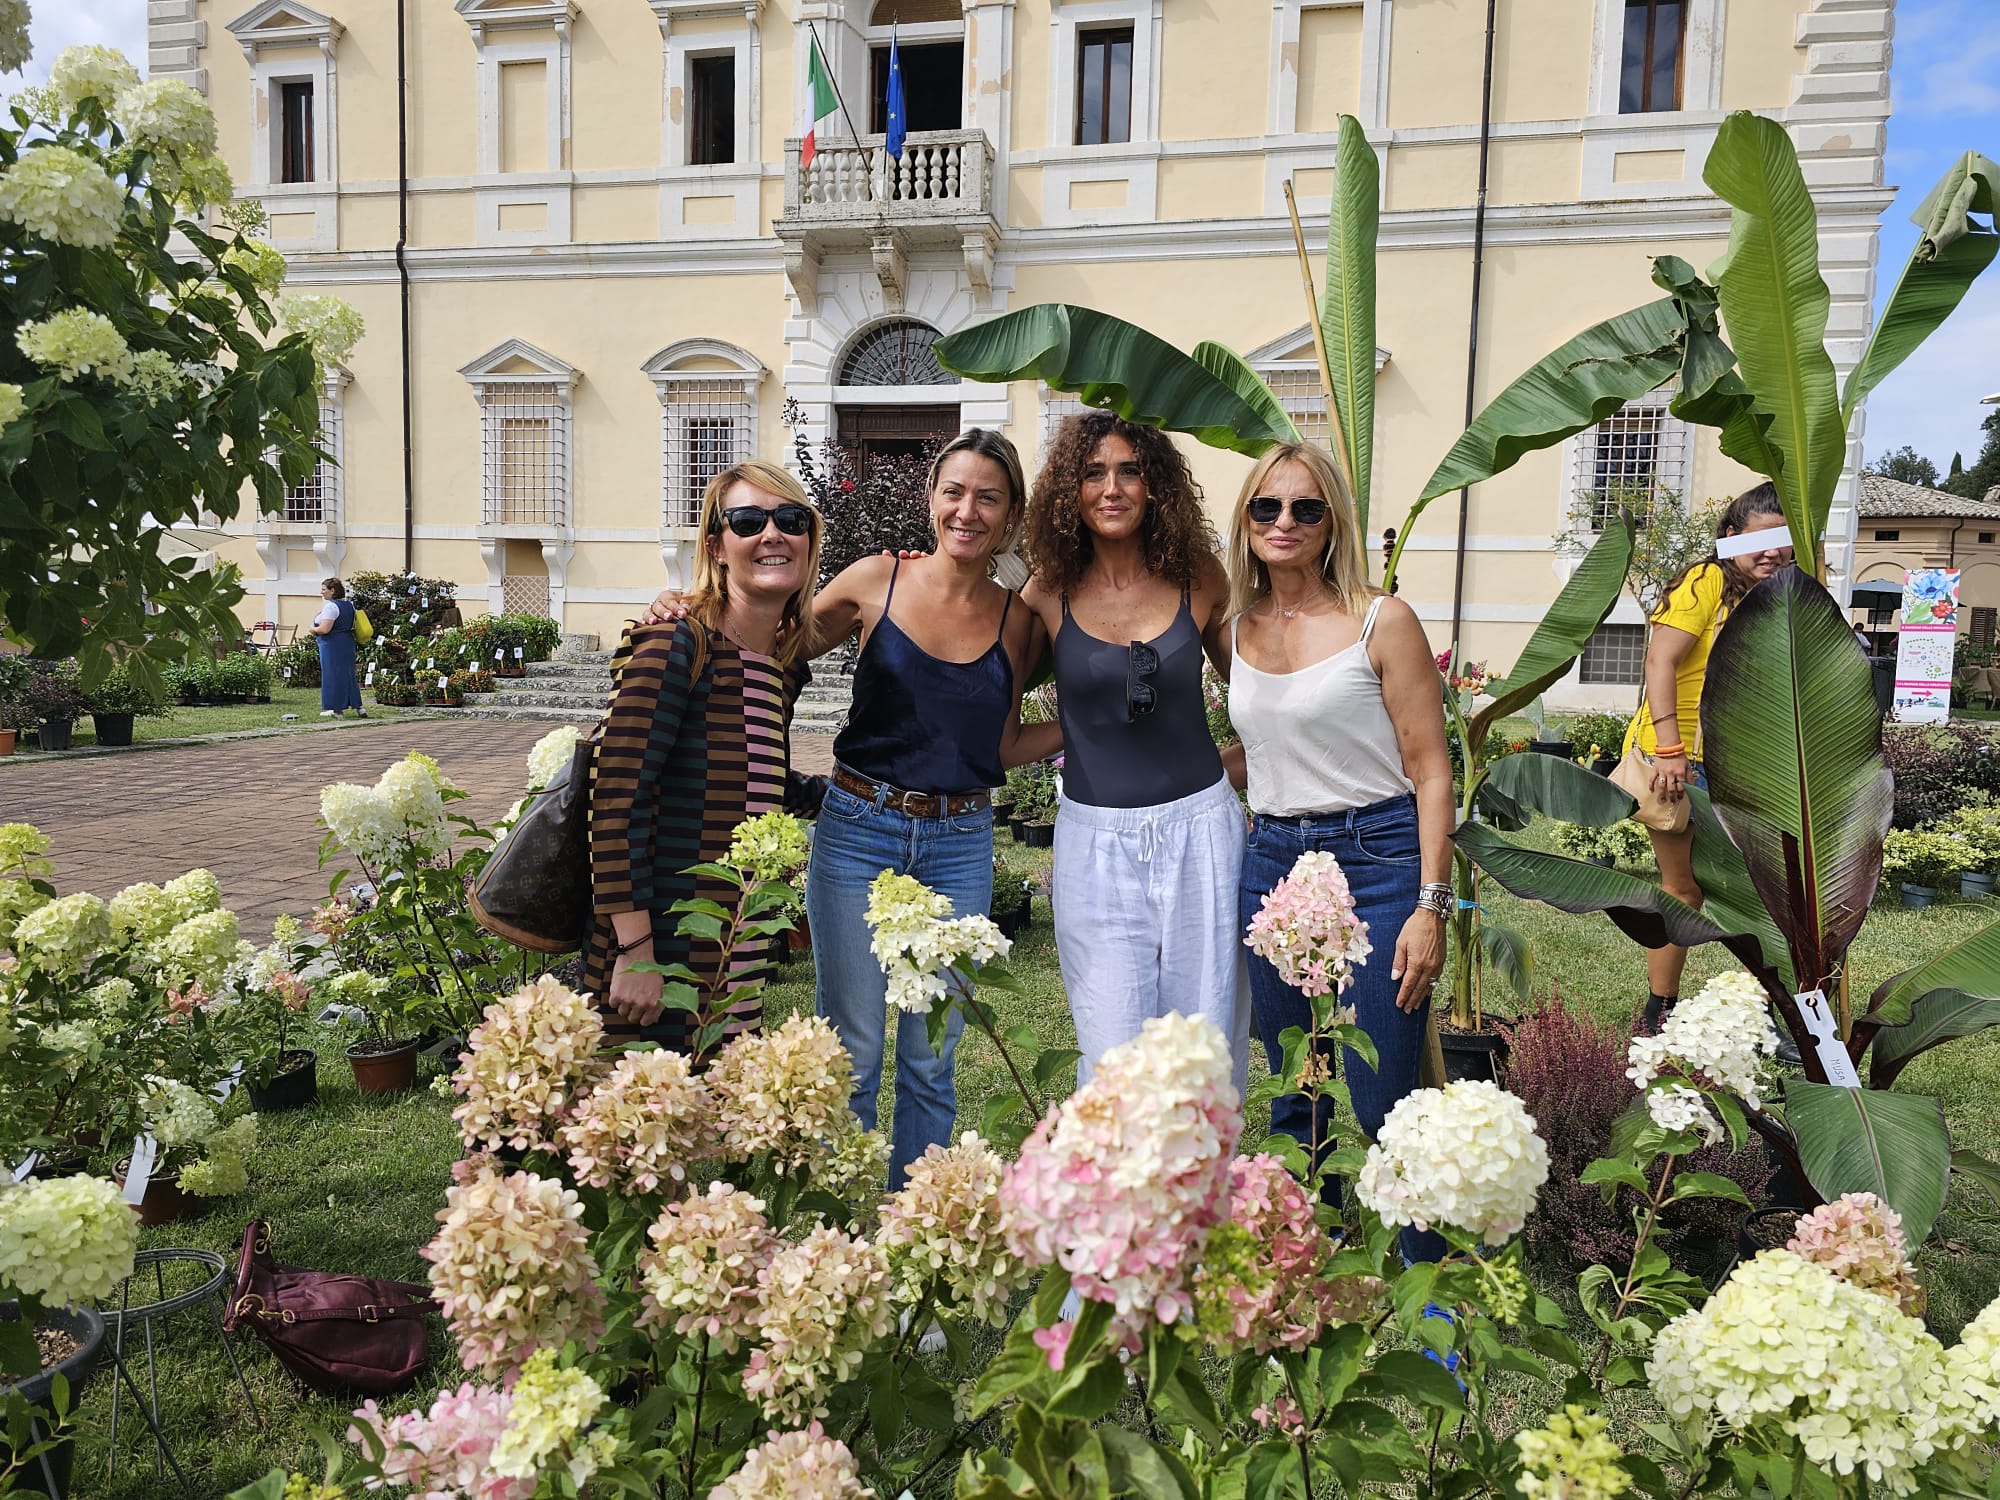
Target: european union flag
(898,130)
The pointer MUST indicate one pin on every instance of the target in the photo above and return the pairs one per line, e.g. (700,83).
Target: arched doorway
(895,359)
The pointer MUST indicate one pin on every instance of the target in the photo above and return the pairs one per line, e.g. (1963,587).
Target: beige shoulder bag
(1656,810)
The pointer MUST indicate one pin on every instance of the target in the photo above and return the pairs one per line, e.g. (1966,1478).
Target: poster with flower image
(1926,632)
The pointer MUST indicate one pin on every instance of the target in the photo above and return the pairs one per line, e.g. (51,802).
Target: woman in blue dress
(339,688)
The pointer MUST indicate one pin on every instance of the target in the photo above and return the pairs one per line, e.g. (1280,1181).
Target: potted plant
(1922,861)
(1623,842)
(297,664)
(1542,744)
(472,680)
(53,700)
(1013,897)
(383,1058)
(116,702)
(1978,824)
(13,688)
(441,692)
(1036,810)
(1599,740)
(275,992)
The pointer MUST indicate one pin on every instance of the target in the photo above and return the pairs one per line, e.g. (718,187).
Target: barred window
(895,353)
(1300,392)
(1615,654)
(315,501)
(525,458)
(1634,458)
(705,426)
(1057,408)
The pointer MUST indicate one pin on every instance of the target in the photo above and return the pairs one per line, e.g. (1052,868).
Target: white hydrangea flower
(362,819)
(1466,1155)
(411,789)
(1722,1034)
(15,47)
(66,1240)
(166,115)
(198,951)
(195,182)
(74,341)
(916,939)
(1974,1366)
(195,892)
(552,752)
(12,401)
(156,375)
(144,911)
(260,261)
(62,936)
(1678,1107)
(62,195)
(91,72)
(1788,1346)
(329,324)
(178,1115)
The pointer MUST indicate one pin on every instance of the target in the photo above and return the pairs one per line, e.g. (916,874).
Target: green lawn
(354,1183)
(231,718)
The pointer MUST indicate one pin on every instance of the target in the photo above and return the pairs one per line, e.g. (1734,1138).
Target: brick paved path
(249,809)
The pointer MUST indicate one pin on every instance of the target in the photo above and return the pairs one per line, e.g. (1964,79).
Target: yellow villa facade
(594,267)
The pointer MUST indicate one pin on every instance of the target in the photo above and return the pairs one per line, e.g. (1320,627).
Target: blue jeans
(855,841)
(1377,849)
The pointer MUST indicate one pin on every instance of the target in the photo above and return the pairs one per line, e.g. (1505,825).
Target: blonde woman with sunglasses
(1334,693)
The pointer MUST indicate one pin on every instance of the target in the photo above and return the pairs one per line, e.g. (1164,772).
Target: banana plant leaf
(1937,1017)
(1347,304)
(1972,1165)
(1711,393)
(1728,894)
(1558,788)
(1640,909)
(1564,631)
(1117,365)
(1873,1141)
(1229,367)
(1950,252)
(1774,305)
(1793,748)
(1507,951)
(1954,994)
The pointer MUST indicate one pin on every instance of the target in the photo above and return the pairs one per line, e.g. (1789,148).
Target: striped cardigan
(669,787)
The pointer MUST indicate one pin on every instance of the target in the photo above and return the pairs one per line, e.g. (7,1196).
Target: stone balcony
(854,196)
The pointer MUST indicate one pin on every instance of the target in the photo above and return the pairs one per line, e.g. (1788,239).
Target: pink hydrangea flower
(446,1453)
(531,1057)
(1054,1341)
(1860,1239)
(641,1125)
(1122,1182)
(1308,929)
(701,1274)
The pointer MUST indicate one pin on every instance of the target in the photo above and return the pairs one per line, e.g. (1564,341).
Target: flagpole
(867,177)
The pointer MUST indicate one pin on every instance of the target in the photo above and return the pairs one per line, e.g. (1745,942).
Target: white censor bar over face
(1745,542)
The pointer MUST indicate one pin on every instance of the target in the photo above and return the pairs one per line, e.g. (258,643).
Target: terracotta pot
(385,1072)
(7,738)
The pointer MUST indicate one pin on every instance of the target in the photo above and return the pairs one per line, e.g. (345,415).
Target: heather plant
(1938,767)
(882,506)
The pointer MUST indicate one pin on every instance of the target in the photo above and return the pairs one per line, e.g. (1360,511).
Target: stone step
(490,710)
(565,667)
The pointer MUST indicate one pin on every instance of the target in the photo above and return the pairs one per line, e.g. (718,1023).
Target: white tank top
(1318,740)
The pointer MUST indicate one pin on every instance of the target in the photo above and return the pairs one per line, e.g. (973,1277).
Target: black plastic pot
(113,729)
(49,1473)
(1015,826)
(1565,748)
(1011,920)
(293,1086)
(1604,765)
(1473,1055)
(1754,1230)
(54,735)
(1038,835)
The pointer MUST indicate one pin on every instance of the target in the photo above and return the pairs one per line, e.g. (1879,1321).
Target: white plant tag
(499,653)
(228,1085)
(430,663)
(518,653)
(1826,1040)
(370,682)
(27,1165)
(442,683)
(145,1152)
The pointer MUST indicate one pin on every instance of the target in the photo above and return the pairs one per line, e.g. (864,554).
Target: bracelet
(1660,750)
(1435,899)
(624,948)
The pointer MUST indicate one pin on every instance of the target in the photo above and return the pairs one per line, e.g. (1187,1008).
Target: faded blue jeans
(1377,849)
(856,840)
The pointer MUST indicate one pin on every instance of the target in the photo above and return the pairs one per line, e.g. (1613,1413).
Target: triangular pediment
(283,23)
(508,15)
(517,359)
(1298,345)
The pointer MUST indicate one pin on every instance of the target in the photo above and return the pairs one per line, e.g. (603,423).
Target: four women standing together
(1333,692)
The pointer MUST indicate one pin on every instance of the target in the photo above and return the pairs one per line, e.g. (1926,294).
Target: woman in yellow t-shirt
(1684,628)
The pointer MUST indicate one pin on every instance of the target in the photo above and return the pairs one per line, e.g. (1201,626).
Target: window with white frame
(524,399)
(315,501)
(291,50)
(1614,654)
(524,82)
(708,420)
(1105,72)
(1636,457)
(1298,389)
(1057,408)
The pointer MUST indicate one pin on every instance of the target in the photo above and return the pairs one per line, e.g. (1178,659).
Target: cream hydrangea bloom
(329,324)
(1860,1239)
(62,936)
(782,1091)
(771,846)
(91,72)
(66,1239)
(17,899)
(362,820)
(700,1276)
(944,1227)
(195,892)
(156,375)
(413,789)
(260,261)
(642,1125)
(529,1060)
(197,951)
(224,1168)
(552,752)
(806,1465)
(1721,1035)
(916,940)
(75,341)
(820,1304)
(165,115)
(1974,1366)
(1680,1108)
(62,195)
(177,1114)
(1789,1347)
(1569,1458)
(1466,1155)
(550,1410)
(12,403)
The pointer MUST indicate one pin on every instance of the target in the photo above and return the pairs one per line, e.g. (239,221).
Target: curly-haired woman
(1149,842)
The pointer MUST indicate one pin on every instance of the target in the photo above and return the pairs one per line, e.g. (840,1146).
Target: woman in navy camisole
(935,721)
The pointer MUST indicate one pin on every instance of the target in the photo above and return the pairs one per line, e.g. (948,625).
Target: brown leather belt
(910,804)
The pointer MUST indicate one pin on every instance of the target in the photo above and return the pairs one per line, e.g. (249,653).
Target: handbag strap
(267,1307)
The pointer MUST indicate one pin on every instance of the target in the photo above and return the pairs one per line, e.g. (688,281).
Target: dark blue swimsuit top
(922,724)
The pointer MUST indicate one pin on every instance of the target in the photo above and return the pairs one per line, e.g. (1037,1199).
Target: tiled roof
(1888,499)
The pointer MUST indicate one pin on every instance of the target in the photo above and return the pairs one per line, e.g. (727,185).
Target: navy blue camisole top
(922,724)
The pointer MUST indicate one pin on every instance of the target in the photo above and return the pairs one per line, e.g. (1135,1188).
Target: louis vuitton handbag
(535,890)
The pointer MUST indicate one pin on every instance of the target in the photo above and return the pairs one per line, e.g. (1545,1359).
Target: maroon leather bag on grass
(339,1334)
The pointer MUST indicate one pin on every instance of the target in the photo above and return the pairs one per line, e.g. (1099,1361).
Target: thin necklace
(1293,612)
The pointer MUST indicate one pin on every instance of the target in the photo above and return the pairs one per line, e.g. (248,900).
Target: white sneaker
(327,713)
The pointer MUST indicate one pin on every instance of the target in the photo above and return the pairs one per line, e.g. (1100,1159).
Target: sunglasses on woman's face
(791,518)
(1264,509)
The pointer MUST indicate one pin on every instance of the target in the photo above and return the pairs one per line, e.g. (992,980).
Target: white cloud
(56,24)
(1931,402)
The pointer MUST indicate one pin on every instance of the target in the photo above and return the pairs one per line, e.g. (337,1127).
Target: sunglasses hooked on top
(1141,663)
(790,518)
(1264,509)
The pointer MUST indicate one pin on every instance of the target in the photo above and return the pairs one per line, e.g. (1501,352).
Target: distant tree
(1908,466)
(1985,471)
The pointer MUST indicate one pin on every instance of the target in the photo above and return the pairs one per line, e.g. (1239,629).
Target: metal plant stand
(213,1272)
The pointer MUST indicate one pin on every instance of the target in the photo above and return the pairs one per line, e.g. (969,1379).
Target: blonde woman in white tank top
(1334,693)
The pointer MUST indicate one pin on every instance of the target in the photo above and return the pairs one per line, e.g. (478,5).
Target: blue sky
(1945,88)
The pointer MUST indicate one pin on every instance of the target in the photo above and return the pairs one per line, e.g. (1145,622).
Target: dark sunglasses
(791,518)
(1264,509)
(1142,662)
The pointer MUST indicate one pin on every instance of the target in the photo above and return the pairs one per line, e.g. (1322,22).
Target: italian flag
(820,101)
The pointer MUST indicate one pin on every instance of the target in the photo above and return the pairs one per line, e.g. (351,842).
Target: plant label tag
(27,1165)
(413,591)
(499,653)
(430,663)
(518,653)
(425,602)
(228,1085)
(370,682)
(441,683)
(288,674)
(1826,1040)
(145,1152)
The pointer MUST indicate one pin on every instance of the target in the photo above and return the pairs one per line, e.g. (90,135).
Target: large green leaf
(1559,788)
(1873,1141)
(1950,252)
(1347,303)
(1640,909)
(1972,966)
(1229,367)
(1584,381)
(1119,366)
(1565,630)
(1506,949)
(1792,745)
(1729,896)
(1940,1016)
(1774,305)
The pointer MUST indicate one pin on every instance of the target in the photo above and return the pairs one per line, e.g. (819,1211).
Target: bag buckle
(368,1311)
(244,1308)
